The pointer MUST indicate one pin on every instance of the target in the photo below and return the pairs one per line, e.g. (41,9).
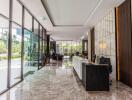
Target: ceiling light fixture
(44,18)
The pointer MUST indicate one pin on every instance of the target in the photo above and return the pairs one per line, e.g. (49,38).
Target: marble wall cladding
(105,39)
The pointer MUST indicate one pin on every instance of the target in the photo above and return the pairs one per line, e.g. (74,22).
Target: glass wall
(17,43)
(16,54)
(36,32)
(31,45)
(30,52)
(4,33)
(40,43)
(68,47)
(44,42)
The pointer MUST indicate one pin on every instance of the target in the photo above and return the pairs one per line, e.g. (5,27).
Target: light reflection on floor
(56,81)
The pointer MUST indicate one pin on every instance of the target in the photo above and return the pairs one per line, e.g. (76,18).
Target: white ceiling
(70,12)
(68,33)
(69,19)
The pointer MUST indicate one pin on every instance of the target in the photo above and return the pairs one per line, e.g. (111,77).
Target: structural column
(48,45)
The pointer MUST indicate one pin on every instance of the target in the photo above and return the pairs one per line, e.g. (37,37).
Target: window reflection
(4,32)
(16,54)
(30,53)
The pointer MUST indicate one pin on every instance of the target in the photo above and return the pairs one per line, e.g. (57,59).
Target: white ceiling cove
(68,33)
(69,19)
(70,12)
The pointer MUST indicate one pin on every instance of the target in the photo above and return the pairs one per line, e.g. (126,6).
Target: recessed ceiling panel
(69,12)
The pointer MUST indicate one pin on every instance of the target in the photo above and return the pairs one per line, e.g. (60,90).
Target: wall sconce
(102,45)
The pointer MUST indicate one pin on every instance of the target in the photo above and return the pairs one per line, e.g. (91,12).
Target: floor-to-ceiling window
(19,43)
(40,40)
(4,33)
(30,47)
(68,47)
(16,43)
(16,54)
(36,33)
(30,53)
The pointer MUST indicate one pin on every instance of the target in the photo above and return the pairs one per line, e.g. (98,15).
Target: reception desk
(77,63)
(94,77)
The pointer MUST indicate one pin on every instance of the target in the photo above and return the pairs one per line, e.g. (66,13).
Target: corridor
(58,81)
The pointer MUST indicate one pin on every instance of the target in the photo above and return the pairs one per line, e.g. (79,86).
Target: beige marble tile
(59,83)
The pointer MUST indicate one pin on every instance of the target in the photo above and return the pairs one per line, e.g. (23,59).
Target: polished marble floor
(57,81)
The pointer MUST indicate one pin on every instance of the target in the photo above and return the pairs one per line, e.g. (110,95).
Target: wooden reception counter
(94,77)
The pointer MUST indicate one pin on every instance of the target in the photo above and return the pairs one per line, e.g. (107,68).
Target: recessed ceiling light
(44,18)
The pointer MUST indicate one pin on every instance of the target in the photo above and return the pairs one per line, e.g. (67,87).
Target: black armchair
(57,57)
(107,61)
(104,60)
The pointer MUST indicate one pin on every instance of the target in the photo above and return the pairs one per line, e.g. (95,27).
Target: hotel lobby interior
(65,50)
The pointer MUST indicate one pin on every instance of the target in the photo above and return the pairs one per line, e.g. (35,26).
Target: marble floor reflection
(57,81)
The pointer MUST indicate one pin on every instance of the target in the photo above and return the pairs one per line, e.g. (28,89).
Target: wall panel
(124,42)
(105,39)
